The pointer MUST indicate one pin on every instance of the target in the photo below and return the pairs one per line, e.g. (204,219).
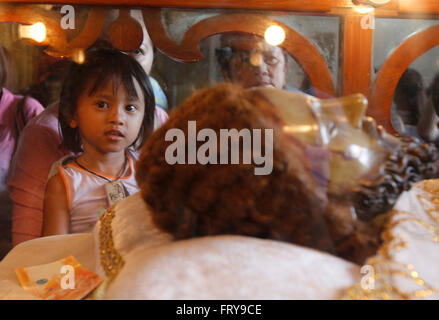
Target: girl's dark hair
(99,67)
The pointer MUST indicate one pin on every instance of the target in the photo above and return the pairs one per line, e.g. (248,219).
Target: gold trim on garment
(111,261)
(385,268)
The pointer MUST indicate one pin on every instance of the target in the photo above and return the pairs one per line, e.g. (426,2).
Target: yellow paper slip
(65,279)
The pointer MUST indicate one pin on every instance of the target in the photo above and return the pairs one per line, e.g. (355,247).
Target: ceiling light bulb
(36,31)
(274,35)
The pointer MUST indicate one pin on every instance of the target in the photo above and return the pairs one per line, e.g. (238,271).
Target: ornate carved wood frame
(355,50)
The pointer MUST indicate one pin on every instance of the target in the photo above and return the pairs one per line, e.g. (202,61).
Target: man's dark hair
(99,67)
(433,92)
(407,92)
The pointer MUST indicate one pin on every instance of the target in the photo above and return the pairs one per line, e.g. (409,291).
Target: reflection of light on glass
(79,56)
(274,35)
(304,128)
(363,9)
(255,59)
(46,7)
(359,153)
(380,2)
(36,31)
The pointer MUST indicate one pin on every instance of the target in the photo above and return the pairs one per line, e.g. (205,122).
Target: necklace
(114,189)
(122,171)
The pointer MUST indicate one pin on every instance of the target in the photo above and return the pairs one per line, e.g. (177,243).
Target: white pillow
(231,267)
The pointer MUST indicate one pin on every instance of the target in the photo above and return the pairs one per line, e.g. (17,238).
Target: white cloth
(414,245)
(407,263)
(231,267)
(220,267)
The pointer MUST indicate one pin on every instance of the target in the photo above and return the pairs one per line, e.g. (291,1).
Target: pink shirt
(37,151)
(8,134)
(86,194)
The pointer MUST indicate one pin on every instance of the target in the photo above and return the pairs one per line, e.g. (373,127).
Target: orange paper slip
(65,279)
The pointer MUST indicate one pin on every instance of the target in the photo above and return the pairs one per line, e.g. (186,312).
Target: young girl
(106,107)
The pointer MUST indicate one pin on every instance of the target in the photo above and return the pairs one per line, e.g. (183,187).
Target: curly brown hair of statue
(194,200)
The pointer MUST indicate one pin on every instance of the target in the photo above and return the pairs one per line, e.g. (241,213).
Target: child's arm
(56,218)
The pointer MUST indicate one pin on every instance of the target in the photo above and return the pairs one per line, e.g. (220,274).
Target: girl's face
(109,120)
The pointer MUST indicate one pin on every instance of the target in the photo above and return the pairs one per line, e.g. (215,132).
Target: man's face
(257,64)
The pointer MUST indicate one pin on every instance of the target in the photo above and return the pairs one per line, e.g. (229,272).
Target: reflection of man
(38,149)
(251,61)
(409,101)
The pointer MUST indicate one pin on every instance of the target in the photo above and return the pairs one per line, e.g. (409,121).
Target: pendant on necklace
(115,191)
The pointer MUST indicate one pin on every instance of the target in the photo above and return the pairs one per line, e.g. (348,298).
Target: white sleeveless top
(86,195)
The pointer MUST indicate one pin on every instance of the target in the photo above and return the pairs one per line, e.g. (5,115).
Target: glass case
(346,91)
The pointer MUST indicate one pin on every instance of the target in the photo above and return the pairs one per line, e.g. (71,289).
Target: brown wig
(192,200)
(100,66)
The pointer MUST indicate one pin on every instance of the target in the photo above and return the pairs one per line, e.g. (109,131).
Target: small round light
(274,35)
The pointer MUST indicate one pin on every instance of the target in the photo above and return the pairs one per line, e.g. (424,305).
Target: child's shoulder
(133,154)
(59,163)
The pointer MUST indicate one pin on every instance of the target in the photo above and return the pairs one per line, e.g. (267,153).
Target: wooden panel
(296,5)
(388,77)
(419,6)
(357,55)
(405,6)
(299,47)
